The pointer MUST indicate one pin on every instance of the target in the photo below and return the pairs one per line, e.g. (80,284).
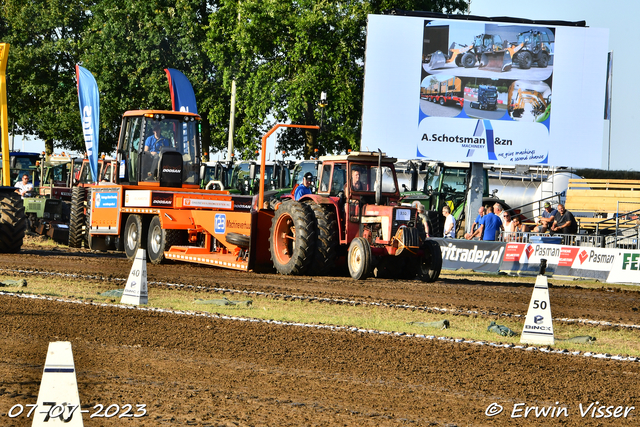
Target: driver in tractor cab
(155,142)
(154,145)
(356,183)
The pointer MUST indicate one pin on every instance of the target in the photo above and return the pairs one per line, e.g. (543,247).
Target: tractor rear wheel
(431,262)
(359,259)
(292,238)
(13,222)
(135,236)
(324,257)
(77,220)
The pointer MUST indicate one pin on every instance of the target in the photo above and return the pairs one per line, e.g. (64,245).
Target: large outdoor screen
(486,92)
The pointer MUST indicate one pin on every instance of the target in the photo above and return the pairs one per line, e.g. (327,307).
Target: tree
(141,39)
(44,38)
(284,54)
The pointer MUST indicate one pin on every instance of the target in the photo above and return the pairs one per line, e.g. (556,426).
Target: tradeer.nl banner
(89,100)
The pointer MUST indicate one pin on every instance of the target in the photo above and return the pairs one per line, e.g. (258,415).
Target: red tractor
(355,215)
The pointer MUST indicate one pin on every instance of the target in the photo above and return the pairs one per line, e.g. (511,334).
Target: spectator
(475,228)
(304,188)
(497,210)
(564,222)
(491,225)
(519,229)
(422,223)
(545,221)
(449,222)
(24,187)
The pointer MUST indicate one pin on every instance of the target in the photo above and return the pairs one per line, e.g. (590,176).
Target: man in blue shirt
(303,188)
(491,224)
(546,220)
(155,142)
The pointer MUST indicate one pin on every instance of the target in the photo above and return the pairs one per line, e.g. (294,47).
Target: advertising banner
(505,93)
(625,267)
(471,255)
(89,100)
(182,96)
(573,261)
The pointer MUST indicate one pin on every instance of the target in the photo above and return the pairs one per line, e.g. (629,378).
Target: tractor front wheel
(292,238)
(359,259)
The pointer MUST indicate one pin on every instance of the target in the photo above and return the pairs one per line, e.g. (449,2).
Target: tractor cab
(357,176)
(159,148)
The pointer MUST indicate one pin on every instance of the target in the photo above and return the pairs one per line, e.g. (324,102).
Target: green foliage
(44,36)
(282,54)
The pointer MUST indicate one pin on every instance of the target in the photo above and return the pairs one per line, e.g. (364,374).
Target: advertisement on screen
(474,91)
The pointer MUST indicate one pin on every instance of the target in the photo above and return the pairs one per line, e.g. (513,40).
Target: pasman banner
(89,99)
(182,96)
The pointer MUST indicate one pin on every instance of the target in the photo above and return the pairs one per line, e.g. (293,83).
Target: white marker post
(538,326)
(135,292)
(58,398)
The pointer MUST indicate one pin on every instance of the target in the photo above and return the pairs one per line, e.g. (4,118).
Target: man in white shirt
(449,222)
(24,187)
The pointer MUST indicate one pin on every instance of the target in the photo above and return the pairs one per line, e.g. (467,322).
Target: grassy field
(612,340)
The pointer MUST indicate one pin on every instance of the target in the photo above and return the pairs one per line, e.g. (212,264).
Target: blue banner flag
(89,100)
(182,96)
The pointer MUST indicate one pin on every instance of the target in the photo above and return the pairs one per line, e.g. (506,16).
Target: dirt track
(203,371)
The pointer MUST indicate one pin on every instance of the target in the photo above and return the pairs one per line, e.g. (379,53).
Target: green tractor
(435,184)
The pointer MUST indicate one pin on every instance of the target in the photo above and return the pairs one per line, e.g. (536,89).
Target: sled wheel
(160,240)
(135,236)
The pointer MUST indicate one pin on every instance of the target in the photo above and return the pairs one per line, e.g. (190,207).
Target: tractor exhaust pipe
(379,179)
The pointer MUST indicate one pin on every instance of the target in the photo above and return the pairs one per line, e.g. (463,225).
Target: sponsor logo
(630,261)
(600,258)
(171,170)
(529,251)
(241,225)
(538,328)
(538,319)
(453,253)
(220,223)
(455,139)
(546,251)
(106,200)
(583,256)
(161,199)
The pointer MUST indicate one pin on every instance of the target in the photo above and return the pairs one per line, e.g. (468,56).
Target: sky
(621,150)
(620,17)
